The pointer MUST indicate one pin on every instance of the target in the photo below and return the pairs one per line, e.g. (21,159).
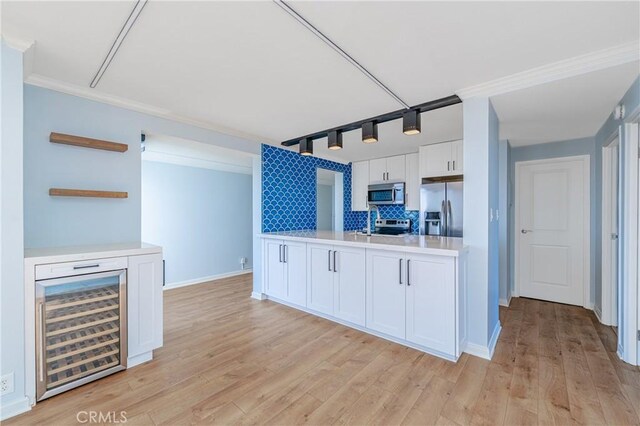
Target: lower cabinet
(336,281)
(413,297)
(144,304)
(285,272)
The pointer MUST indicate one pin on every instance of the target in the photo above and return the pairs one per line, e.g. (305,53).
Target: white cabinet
(431,302)
(336,281)
(144,304)
(441,159)
(413,297)
(359,185)
(285,264)
(387,169)
(385,292)
(412,187)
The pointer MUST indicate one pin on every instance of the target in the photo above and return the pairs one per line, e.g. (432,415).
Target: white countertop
(411,243)
(74,253)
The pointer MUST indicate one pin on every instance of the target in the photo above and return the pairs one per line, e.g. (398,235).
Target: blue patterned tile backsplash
(289,193)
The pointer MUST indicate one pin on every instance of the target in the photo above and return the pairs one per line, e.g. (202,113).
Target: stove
(393,226)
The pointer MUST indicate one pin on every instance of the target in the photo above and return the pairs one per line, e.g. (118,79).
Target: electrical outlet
(6,384)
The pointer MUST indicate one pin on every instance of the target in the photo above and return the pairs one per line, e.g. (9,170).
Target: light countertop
(74,253)
(411,243)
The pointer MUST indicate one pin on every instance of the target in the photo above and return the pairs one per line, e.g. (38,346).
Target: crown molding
(18,44)
(96,95)
(578,65)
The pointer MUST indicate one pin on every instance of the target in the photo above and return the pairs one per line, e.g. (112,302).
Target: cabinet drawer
(57,270)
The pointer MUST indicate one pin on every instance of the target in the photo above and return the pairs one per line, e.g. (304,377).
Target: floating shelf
(61,192)
(87,142)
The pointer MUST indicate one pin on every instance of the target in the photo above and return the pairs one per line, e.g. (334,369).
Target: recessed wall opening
(197,205)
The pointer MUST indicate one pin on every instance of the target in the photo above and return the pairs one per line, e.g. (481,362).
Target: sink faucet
(371,207)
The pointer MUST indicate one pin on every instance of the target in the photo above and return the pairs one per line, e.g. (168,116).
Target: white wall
(11,231)
(480,231)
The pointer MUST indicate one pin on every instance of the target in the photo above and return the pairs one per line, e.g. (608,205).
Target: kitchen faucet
(370,207)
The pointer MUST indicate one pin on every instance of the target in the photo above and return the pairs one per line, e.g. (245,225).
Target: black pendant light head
(335,140)
(370,132)
(411,122)
(306,146)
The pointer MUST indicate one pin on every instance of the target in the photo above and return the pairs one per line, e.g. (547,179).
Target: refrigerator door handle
(449,217)
(443,219)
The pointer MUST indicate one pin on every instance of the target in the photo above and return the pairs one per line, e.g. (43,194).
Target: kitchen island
(407,289)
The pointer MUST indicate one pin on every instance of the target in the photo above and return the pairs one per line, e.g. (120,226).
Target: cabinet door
(435,160)
(359,185)
(295,261)
(144,304)
(320,278)
(431,303)
(396,168)
(412,195)
(274,278)
(456,157)
(378,170)
(386,292)
(349,284)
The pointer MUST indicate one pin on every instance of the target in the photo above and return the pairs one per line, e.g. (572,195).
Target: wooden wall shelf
(87,142)
(61,192)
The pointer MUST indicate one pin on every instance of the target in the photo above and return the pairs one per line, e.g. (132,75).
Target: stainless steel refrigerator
(441,206)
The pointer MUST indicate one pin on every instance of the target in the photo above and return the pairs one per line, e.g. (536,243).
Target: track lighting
(306,146)
(411,122)
(335,140)
(370,132)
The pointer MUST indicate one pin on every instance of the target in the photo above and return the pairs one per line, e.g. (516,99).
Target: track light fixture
(335,140)
(306,146)
(411,122)
(370,132)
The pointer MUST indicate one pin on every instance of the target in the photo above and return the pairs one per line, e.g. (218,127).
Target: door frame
(586,231)
(608,314)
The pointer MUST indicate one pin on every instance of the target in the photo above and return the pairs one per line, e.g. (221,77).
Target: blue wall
(58,221)
(584,146)
(201,218)
(289,193)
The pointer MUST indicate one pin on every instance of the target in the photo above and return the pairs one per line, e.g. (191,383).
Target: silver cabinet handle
(408,272)
(284,253)
(95,265)
(400,271)
(525,231)
(335,269)
(454,164)
(42,362)
(280,253)
(329,260)
(448,165)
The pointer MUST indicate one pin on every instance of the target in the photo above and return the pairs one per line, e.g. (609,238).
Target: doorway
(552,220)
(329,200)
(610,231)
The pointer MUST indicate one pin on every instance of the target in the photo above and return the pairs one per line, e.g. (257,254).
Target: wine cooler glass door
(80,330)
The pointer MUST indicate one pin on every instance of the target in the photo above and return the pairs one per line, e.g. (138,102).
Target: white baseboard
(14,408)
(485,352)
(258,296)
(139,359)
(206,279)
(598,312)
(505,302)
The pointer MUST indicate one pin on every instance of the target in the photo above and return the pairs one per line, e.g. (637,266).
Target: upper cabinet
(387,169)
(359,185)
(441,159)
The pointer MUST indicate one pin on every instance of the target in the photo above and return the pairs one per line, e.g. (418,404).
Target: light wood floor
(229,359)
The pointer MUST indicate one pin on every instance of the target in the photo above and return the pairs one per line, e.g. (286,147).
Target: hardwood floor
(229,359)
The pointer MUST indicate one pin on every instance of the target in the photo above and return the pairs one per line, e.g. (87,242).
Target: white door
(359,185)
(349,284)
(378,170)
(320,279)
(456,157)
(144,304)
(435,160)
(295,261)
(385,310)
(412,194)
(551,222)
(431,304)
(275,280)
(396,168)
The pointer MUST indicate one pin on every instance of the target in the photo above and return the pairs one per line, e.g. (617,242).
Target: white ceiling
(251,67)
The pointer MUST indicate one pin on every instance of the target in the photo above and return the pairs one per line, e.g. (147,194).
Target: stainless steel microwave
(386,194)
